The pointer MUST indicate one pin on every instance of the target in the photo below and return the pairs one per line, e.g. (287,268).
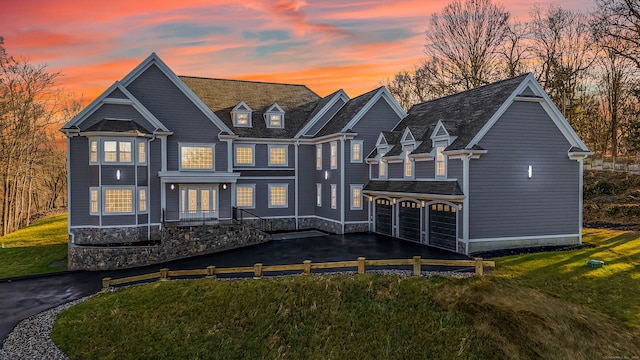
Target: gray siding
(503,201)
(455,170)
(333,178)
(188,124)
(425,169)
(113,111)
(79,181)
(224,202)
(307,181)
(117,94)
(395,170)
(262,197)
(155,164)
(325,118)
(127,175)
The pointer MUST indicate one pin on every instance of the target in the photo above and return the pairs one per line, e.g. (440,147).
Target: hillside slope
(611,199)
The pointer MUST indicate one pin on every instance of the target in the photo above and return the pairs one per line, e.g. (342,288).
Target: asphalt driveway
(22,298)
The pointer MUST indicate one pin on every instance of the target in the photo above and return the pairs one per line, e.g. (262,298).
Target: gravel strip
(30,339)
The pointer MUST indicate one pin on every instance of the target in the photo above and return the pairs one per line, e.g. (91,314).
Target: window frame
(440,145)
(103,156)
(286,154)
(334,196)
(94,190)
(104,200)
(286,196)
(141,190)
(334,155)
(382,169)
(360,143)
(409,164)
(352,196)
(141,152)
(253,196)
(235,154)
(318,194)
(197,145)
(319,157)
(92,152)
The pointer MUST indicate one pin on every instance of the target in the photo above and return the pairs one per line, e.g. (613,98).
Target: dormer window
(241,115)
(274,117)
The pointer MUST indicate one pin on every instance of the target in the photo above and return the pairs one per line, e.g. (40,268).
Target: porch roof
(418,189)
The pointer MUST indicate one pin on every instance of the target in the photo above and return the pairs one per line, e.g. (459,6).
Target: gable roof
(222,95)
(117,125)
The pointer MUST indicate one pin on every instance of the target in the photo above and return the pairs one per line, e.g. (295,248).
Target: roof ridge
(240,80)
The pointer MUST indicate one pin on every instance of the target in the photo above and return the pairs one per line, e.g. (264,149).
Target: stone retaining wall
(176,243)
(114,235)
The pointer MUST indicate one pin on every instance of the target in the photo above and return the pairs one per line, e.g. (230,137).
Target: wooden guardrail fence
(258,269)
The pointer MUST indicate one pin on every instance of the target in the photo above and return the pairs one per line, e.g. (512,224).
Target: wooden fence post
(257,271)
(416,266)
(361,265)
(479,269)
(106,283)
(211,272)
(164,274)
(307,267)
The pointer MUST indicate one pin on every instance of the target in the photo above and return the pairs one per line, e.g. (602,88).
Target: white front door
(198,202)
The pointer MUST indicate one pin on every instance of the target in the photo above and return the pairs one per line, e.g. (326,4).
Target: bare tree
(562,43)
(620,20)
(420,84)
(515,49)
(467,37)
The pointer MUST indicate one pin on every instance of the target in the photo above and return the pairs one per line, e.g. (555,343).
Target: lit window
(278,195)
(244,155)
(441,167)
(382,169)
(334,155)
(142,200)
(356,197)
(275,120)
(318,195)
(242,119)
(117,151)
(356,151)
(334,196)
(408,165)
(118,201)
(244,196)
(196,157)
(95,204)
(142,154)
(319,157)
(278,155)
(93,145)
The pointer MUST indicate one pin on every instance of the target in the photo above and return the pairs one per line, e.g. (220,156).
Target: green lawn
(38,249)
(546,305)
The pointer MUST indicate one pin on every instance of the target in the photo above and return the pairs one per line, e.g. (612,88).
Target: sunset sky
(326,45)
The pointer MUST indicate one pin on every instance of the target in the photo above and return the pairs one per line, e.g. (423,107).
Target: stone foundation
(176,243)
(320,224)
(286,224)
(354,228)
(115,235)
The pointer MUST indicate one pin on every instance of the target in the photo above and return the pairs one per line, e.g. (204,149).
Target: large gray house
(489,168)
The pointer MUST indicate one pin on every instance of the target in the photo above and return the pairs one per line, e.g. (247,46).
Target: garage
(409,220)
(384,216)
(442,226)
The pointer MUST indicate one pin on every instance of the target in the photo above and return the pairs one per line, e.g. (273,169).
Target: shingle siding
(503,201)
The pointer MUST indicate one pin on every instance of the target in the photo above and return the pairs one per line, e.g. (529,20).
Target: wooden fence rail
(306,267)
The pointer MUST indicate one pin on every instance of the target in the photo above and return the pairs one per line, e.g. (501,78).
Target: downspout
(580,199)
(297,143)
(72,237)
(148,155)
(163,185)
(465,203)
(342,141)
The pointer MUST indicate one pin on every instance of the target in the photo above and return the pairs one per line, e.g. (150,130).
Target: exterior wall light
(173,186)
(224,186)
(118,174)
(530,173)
(326,175)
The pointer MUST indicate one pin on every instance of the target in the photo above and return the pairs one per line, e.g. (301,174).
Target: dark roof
(463,114)
(415,187)
(324,101)
(116,125)
(346,113)
(221,96)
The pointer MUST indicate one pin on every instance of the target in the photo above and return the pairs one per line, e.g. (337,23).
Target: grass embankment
(612,198)
(547,305)
(37,249)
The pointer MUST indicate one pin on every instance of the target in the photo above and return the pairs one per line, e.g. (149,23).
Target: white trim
(443,144)
(580,197)
(154,59)
(321,218)
(286,196)
(381,93)
(516,238)
(340,94)
(197,145)
(253,195)
(342,182)
(360,152)
(246,111)
(192,177)
(405,134)
(112,226)
(435,137)
(235,154)
(270,111)
(465,203)
(296,183)
(286,155)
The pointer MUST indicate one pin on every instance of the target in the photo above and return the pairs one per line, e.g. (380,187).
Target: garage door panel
(409,220)
(443,226)
(384,216)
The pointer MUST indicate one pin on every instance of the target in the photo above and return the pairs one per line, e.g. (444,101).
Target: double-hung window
(334,154)
(334,196)
(319,157)
(318,195)
(356,197)
(441,160)
(93,151)
(196,157)
(142,200)
(277,155)
(142,152)
(245,196)
(94,198)
(278,195)
(408,165)
(356,151)
(245,155)
(117,151)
